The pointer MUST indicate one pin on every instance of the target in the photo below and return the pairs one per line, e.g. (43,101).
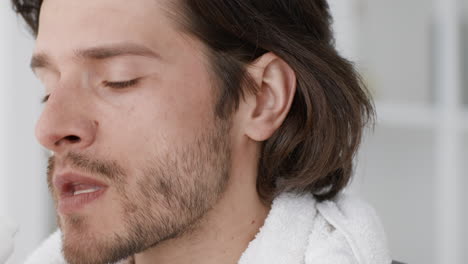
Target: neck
(223,233)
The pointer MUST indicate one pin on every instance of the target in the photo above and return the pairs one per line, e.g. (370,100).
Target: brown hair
(313,150)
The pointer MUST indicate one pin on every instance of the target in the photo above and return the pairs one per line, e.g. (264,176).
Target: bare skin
(159,128)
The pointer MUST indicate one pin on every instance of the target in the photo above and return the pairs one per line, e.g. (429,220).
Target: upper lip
(65,183)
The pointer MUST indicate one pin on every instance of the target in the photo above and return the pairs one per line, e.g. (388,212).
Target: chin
(92,239)
(90,248)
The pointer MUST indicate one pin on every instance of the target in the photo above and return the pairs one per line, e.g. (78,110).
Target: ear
(265,111)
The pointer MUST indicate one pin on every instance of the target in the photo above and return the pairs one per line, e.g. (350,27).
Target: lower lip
(70,204)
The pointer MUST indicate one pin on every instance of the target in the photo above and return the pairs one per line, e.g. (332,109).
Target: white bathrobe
(298,230)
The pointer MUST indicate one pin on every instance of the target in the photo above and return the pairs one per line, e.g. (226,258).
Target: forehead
(67,25)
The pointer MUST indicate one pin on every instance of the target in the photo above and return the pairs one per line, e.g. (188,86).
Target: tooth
(85,191)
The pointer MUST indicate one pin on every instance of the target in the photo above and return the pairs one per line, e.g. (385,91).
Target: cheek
(181,106)
(167,112)
(158,118)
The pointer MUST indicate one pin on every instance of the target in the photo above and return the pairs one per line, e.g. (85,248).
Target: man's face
(139,155)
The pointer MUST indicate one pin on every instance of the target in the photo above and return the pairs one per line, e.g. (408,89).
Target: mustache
(108,169)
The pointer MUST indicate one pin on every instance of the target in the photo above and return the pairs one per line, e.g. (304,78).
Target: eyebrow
(42,60)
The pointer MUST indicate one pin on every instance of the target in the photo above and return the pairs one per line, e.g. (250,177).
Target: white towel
(50,252)
(298,230)
(7,232)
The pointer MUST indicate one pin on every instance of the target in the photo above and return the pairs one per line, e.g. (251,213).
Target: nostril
(72,139)
(68,140)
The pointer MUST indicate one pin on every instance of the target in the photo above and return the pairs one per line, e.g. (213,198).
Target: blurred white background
(23,188)
(413,56)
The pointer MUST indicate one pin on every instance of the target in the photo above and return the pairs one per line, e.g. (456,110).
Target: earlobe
(276,82)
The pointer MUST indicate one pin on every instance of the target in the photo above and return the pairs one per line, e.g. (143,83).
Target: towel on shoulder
(298,230)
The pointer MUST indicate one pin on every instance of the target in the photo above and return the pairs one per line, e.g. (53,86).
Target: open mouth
(73,189)
(76,192)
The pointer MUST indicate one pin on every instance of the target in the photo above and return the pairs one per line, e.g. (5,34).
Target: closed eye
(45,99)
(121,85)
(114,85)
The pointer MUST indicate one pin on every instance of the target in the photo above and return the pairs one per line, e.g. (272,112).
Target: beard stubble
(175,190)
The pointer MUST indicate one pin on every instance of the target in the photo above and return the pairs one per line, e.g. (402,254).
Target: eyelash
(45,99)
(115,85)
(121,85)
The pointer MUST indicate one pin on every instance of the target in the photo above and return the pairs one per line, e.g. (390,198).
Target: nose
(65,124)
